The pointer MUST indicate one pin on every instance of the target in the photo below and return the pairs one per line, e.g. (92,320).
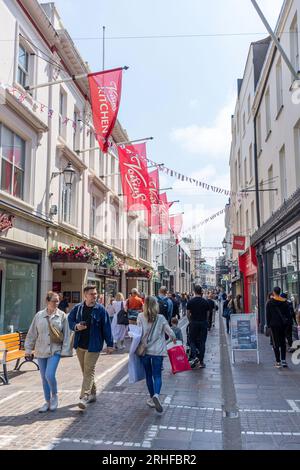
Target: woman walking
(118,331)
(49,338)
(154,327)
(183,302)
(228,307)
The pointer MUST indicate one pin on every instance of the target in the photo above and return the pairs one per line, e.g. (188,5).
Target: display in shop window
(6,222)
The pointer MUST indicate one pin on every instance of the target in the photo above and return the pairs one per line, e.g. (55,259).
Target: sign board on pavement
(243,333)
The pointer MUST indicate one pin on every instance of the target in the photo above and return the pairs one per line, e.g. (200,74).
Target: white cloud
(211,141)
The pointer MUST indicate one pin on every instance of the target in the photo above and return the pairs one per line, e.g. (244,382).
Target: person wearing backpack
(165,304)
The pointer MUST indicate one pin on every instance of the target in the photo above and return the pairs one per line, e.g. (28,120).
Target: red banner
(239,243)
(164,215)
(176,222)
(154,199)
(135,177)
(105,90)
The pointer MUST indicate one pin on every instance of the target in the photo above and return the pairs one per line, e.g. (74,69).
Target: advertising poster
(243,333)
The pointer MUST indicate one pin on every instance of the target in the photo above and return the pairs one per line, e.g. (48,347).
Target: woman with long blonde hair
(118,331)
(154,327)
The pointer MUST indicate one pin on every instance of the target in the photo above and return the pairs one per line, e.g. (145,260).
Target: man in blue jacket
(91,324)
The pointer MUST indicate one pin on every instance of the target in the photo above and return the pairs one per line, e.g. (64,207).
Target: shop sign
(239,243)
(6,222)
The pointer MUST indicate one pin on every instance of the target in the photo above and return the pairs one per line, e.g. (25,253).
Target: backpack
(163,307)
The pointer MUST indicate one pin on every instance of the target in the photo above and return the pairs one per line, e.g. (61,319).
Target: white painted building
(269,217)
(40,133)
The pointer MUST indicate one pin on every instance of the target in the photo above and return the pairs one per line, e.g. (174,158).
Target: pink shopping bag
(178,359)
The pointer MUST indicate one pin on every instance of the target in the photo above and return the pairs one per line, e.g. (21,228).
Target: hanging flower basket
(139,273)
(77,254)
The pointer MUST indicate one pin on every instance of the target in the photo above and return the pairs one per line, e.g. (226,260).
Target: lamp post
(68,173)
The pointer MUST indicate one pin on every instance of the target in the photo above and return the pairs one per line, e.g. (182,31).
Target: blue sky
(180,90)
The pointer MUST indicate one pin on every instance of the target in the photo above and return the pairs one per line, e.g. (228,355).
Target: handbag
(56,335)
(122,316)
(178,358)
(141,349)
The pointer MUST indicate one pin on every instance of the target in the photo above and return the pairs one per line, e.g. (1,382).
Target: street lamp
(68,174)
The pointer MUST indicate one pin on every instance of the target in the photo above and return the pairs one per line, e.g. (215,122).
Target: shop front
(248,268)
(107,282)
(139,278)
(19,286)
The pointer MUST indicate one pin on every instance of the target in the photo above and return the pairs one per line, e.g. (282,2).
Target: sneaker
(284,364)
(44,408)
(150,403)
(83,402)
(277,365)
(53,403)
(157,403)
(92,398)
(194,362)
(202,365)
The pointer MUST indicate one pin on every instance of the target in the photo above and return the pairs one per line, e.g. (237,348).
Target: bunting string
(205,221)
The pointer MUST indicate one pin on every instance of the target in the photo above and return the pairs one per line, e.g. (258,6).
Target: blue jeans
(153,365)
(48,368)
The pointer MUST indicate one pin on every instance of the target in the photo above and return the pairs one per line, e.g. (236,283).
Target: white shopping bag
(136,371)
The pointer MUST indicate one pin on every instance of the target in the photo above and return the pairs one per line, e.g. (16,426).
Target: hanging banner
(154,199)
(239,243)
(164,220)
(176,222)
(135,177)
(105,90)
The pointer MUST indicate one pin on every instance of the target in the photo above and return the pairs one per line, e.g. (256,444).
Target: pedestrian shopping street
(245,406)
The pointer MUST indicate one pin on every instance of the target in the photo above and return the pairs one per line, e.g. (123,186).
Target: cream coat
(38,336)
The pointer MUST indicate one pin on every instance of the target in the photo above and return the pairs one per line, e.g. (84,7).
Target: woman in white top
(110,309)
(118,331)
(47,351)
(154,328)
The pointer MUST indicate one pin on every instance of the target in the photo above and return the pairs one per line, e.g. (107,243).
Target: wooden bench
(12,349)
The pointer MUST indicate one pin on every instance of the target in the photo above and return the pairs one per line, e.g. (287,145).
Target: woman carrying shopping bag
(153,348)
(49,338)
(118,330)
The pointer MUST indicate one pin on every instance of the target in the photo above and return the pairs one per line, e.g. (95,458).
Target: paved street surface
(245,406)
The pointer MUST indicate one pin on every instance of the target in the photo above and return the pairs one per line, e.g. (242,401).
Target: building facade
(56,232)
(268,216)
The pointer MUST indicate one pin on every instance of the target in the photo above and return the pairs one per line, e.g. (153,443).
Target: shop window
(276,263)
(18,290)
(12,155)
(289,257)
(23,66)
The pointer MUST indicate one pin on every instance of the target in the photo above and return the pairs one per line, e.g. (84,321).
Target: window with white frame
(23,66)
(294,44)
(238,123)
(283,180)
(115,225)
(279,86)
(258,134)
(143,247)
(92,151)
(236,175)
(247,223)
(244,123)
(69,202)
(245,171)
(93,214)
(250,161)
(12,154)
(62,113)
(76,130)
(268,112)
(113,173)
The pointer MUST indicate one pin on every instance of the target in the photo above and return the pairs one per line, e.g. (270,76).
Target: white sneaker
(150,403)
(53,403)
(157,403)
(44,408)
(83,402)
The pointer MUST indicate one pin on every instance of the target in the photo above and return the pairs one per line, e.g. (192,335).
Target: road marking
(294,405)
(167,400)
(94,442)
(122,380)
(113,368)
(268,433)
(5,440)
(13,395)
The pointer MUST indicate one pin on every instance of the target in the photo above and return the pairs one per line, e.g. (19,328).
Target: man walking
(197,312)
(277,320)
(165,304)
(91,324)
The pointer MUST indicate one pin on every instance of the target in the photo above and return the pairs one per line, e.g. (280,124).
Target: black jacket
(277,313)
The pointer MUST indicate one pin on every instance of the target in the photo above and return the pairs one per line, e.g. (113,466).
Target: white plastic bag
(136,371)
